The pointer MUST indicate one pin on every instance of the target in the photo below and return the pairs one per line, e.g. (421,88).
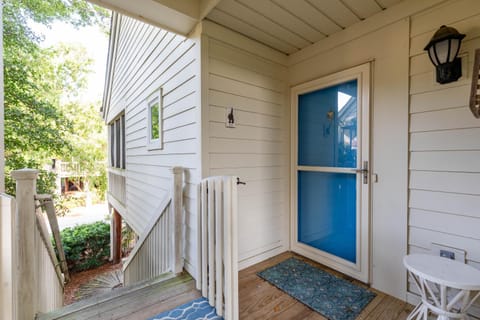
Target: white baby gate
(217,275)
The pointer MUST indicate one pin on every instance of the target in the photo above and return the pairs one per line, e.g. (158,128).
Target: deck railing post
(24,258)
(177,220)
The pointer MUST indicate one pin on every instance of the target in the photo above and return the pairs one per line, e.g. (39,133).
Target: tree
(87,135)
(36,125)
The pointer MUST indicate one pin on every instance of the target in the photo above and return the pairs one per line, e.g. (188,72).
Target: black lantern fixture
(443,49)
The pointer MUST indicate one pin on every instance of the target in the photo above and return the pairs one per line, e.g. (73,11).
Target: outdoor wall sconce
(443,49)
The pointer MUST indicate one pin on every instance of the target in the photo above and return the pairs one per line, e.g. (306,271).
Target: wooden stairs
(140,301)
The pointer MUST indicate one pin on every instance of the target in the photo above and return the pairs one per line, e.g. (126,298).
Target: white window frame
(156,97)
(116,139)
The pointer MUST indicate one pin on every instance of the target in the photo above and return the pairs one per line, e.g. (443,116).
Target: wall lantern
(443,50)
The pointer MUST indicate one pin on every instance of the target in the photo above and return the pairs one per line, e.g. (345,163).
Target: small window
(154,104)
(117,142)
(155,124)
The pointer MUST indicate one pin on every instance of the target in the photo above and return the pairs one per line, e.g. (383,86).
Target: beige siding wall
(250,78)
(148,58)
(425,146)
(444,139)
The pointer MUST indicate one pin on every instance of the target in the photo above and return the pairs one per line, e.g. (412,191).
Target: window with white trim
(155,121)
(117,142)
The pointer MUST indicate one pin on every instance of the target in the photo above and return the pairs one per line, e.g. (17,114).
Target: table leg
(416,311)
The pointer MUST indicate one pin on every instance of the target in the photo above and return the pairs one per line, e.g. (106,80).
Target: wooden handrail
(46,201)
(148,229)
(174,245)
(34,260)
(45,236)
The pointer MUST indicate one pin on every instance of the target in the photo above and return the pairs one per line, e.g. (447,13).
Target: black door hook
(240,182)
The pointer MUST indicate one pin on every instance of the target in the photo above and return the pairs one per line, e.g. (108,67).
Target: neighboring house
(69,176)
(169,101)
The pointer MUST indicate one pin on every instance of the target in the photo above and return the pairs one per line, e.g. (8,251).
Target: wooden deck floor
(258,300)
(138,302)
(261,300)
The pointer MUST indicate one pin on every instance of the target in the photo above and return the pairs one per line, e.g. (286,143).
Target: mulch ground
(80,278)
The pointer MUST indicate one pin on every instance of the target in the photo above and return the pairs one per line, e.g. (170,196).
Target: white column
(177,219)
(25,280)
(2,108)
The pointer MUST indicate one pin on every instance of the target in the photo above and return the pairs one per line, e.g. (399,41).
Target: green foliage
(45,181)
(86,246)
(155,124)
(128,239)
(89,143)
(100,184)
(76,12)
(42,89)
(63,204)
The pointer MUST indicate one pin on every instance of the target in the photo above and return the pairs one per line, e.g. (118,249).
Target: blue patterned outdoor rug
(334,298)
(196,310)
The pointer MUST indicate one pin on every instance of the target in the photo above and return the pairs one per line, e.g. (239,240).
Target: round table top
(444,271)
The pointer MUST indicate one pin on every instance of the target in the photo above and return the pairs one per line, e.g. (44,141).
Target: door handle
(364,171)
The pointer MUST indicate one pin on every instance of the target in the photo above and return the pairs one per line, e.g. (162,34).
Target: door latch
(364,172)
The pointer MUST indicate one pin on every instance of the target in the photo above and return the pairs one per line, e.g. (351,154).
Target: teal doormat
(334,298)
(195,310)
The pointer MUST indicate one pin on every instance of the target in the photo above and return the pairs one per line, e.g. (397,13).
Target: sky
(93,39)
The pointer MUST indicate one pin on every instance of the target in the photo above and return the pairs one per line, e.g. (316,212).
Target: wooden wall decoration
(475,90)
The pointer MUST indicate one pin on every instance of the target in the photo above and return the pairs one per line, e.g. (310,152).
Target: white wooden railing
(160,247)
(7,254)
(69,169)
(65,169)
(116,187)
(217,275)
(48,273)
(30,274)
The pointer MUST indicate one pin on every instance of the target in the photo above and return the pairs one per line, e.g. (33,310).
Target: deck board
(138,302)
(258,300)
(261,300)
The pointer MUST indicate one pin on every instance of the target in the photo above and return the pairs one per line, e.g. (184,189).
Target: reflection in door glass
(327,212)
(327,126)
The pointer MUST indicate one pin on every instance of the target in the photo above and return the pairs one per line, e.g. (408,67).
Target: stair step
(139,301)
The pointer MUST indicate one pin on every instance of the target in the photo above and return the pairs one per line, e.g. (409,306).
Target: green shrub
(86,246)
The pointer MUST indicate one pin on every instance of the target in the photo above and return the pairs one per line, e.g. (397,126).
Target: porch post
(116,235)
(177,221)
(25,300)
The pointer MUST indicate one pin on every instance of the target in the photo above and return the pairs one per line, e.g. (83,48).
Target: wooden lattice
(475,91)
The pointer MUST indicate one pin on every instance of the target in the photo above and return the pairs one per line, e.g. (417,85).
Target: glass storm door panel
(331,172)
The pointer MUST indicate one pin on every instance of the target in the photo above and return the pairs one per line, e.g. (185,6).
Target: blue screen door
(331,172)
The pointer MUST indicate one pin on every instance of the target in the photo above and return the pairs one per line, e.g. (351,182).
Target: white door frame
(361,269)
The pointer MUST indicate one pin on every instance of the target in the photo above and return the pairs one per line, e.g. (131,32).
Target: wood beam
(116,240)
(205,7)
(165,16)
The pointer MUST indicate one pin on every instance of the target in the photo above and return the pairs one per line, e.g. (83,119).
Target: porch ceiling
(177,16)
(285,25)
(289,26)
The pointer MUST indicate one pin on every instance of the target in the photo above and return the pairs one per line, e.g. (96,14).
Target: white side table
(435,277)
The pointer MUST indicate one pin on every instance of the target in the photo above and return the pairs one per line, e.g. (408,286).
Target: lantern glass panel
(454,49)
(431,53)
(442,51)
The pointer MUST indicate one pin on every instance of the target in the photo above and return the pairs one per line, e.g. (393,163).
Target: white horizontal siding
(250,78)
(444,146)
(148,58)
